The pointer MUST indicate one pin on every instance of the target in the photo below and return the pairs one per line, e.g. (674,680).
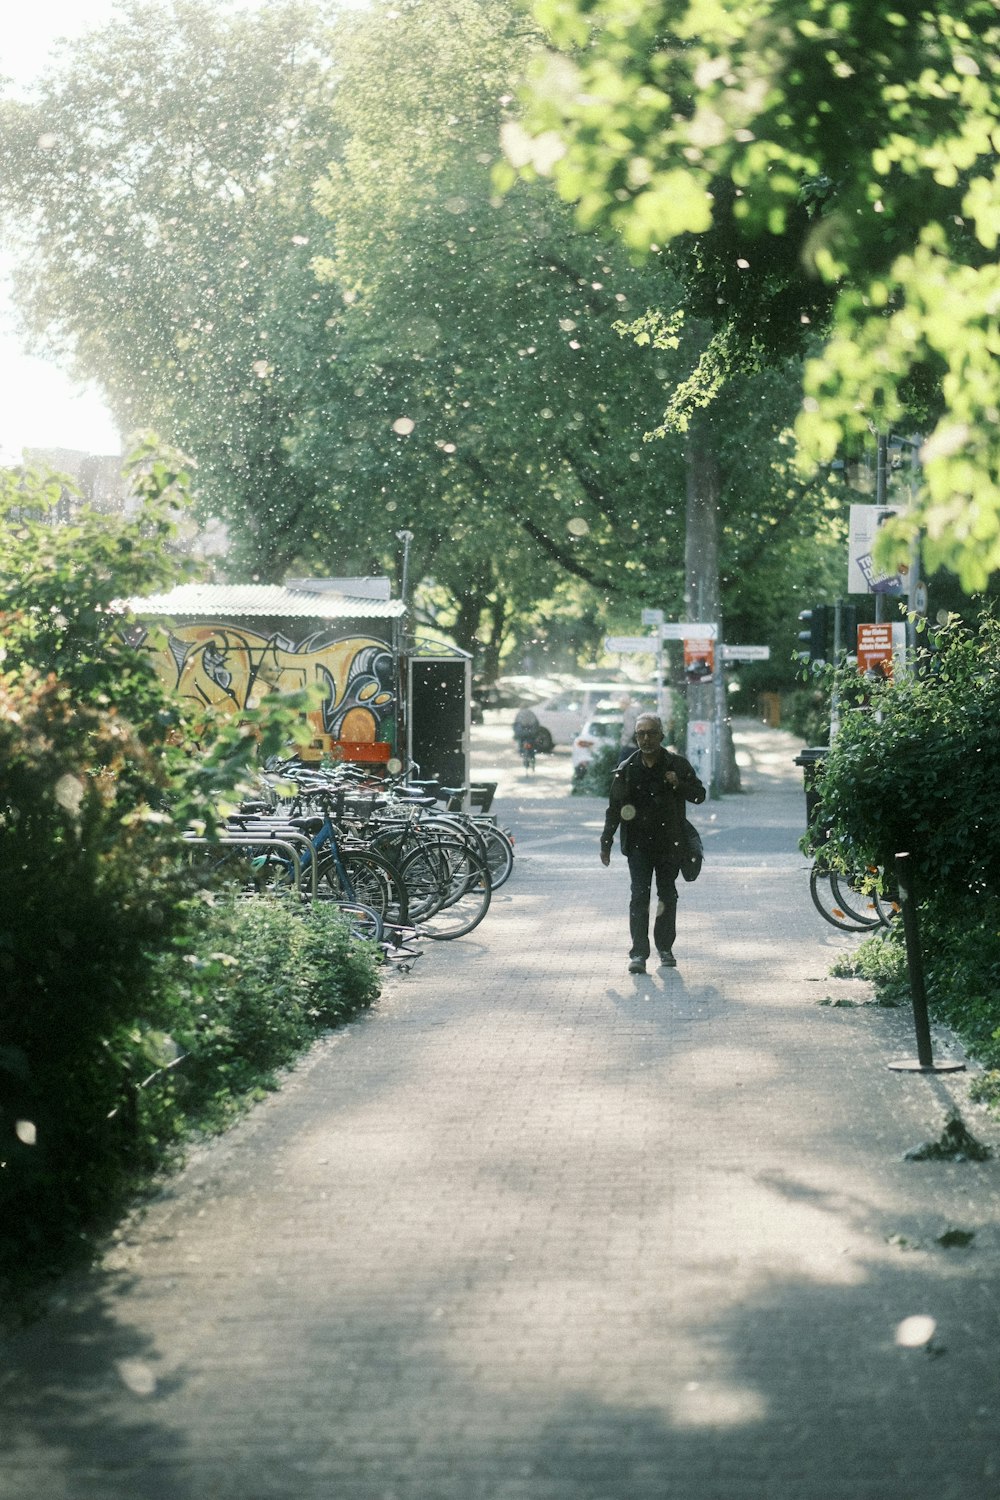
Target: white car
(562,716)
(604,728)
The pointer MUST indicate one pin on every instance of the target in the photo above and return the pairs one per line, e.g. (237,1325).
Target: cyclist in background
(525,732)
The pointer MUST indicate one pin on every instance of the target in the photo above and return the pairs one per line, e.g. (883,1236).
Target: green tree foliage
(499,416)
(159,187)
(493,333)
(302,273)
(851,143)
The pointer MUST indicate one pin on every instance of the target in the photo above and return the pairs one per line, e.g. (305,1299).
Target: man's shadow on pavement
(667,990)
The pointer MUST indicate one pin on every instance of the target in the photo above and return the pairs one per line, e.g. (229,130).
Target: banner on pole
(864,576)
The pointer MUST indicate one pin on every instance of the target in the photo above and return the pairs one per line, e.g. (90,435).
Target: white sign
(615,644)
(746,653)
(652,617)
(864,576)
(681,630)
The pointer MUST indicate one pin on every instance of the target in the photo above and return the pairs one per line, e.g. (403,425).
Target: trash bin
(811,760)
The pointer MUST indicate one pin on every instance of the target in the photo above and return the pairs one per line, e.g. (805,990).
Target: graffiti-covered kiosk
(226,645)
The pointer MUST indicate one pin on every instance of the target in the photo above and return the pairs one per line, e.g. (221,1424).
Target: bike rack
(289,841)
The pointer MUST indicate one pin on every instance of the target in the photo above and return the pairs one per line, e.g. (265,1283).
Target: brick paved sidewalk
(536,1229)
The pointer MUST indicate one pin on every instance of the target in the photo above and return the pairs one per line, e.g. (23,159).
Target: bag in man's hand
(692,852)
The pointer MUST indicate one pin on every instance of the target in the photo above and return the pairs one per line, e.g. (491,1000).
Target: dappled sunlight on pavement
(539,1229)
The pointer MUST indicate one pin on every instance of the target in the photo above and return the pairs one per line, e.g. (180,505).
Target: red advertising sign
(699,659)
(875,645)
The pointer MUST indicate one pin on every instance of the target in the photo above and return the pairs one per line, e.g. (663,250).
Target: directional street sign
(681,630)
(746,653)
(614,644)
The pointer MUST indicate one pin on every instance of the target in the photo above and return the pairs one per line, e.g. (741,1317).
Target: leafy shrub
(100,772)
(805,711)
(250,988)
(915,767)
(227,1003)
(596,778)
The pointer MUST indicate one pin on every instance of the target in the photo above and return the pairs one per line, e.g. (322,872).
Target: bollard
(915,965)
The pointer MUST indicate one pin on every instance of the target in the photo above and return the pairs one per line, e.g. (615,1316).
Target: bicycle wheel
(888,907)
(426,872)
(367,878)
(364,921)
(829,905)
(499,853)
(852,892)
(449,889)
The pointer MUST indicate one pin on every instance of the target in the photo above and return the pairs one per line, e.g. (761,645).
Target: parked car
(514,691)
(563,715)
(603,728)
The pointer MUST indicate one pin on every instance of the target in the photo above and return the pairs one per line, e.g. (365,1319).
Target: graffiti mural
(231,668)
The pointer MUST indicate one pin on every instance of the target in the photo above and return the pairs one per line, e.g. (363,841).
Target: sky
(41,406)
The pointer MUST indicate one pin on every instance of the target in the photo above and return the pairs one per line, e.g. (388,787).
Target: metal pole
(914,961)
(720,711)
(404,725)
(406,537)
(834,695)
(659,673)
(881,466)
(914,578)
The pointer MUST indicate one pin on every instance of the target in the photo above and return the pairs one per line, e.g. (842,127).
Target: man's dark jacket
(658,820)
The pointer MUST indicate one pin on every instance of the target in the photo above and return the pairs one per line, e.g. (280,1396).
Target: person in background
(525,726)
(648,795)
(630,713)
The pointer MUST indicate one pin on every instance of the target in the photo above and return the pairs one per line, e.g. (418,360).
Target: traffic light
(814,634)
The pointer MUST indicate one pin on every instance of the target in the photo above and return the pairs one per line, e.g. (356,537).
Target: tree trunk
(702,600)
(466,626)
(497,611)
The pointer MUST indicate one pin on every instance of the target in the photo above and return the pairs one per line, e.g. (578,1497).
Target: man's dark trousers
(643,864)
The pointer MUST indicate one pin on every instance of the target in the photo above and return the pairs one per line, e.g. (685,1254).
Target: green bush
(226,1004)
(915,768)
(259,980)
(100,772)
(596,778)
(805,711)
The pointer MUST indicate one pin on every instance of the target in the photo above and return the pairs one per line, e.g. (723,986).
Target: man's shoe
(637,966)
(667,959)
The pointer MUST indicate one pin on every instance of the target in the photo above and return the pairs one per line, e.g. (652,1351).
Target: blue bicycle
(362,883)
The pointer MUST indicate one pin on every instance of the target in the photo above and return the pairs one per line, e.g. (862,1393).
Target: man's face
(648,735)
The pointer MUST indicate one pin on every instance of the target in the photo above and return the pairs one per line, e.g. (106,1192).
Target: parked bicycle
(384,844)
(858,902)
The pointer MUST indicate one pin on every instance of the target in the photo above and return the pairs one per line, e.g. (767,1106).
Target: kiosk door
(440,690)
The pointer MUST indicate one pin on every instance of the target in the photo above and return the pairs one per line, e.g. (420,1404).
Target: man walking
(648,793)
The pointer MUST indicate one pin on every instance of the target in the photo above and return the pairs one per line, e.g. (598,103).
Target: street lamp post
(404,727)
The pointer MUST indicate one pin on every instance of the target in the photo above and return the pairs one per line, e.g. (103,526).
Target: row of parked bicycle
(403,858)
